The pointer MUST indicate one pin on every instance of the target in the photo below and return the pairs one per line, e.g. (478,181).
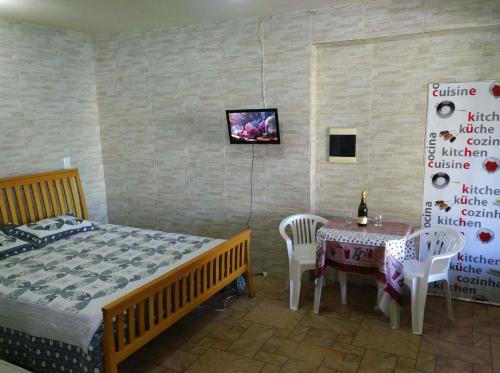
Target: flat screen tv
(253,126)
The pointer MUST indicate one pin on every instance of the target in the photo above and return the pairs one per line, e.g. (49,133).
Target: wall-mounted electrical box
(343,145)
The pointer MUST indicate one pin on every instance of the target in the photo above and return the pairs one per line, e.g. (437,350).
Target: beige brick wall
(162,96)
(380,87)
(48,106)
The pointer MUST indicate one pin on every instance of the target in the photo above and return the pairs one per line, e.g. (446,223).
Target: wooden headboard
(25,199)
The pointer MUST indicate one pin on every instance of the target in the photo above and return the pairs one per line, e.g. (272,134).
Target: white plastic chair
(432,265)
(301,249)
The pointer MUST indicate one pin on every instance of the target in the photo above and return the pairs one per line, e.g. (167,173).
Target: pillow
(11,246)
(50,230)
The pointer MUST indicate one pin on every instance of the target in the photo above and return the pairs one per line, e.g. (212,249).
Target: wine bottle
(363,211)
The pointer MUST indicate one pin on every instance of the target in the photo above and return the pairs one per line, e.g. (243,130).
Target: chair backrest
(442,243)
(303,228)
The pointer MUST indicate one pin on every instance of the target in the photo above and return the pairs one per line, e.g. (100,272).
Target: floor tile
(333,325)
(426,362)
(375,362)
(251,340)
(217,361)
(178,360)
(379,336)
(263,335)
(275,314)
(342,361)
(456,351)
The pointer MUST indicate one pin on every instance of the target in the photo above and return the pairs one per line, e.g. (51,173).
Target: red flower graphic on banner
(485,235)
(495,90)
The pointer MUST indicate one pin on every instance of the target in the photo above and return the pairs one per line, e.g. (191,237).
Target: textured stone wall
(380,87)
(162,96)
(48,106)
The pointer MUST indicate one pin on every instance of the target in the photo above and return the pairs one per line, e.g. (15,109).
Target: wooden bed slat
(3,208)
(12,206)
(160,305)
(53,198)
(120,331)
(168,302)
(20,203)
(68,197)
(74,197)
(39,196)
(131,324)
(29,201)
(151,311)
(59,190)
(36,194)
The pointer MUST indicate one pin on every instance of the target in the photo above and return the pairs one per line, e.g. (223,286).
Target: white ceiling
(104,16)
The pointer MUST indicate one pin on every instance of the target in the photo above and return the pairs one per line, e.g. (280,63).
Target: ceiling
(105,16)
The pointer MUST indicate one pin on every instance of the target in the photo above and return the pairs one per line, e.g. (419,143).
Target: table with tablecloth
(371,250)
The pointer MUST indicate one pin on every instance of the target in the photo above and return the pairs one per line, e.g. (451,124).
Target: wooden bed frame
(136,318)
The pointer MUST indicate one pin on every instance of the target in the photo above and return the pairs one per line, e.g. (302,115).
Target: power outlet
(67,162)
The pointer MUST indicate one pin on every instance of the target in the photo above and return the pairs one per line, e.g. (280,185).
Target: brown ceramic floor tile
(270,358)
(263,335)
(457,334)
(251,340)
(275,314)
(347,348)
(326,370)
(444,364)
(406,362)
(270,368)
(225,332)
(456,351)
(319,337)
(337,326)
(379,336)
(298,333)
(477,368)
(342,362)
(426,362)
(200,346)
(217,361)
(400,369)
(375,362)
(178,360)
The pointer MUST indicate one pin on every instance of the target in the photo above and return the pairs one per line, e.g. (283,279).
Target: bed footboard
(135,319)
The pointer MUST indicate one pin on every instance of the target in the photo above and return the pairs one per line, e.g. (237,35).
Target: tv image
(253,126)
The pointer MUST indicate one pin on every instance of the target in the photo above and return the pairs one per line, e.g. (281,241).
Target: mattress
(57,292)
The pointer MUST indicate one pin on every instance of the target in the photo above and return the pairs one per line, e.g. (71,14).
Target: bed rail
(133,320)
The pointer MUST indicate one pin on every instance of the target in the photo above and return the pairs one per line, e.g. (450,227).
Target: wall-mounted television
(253,126)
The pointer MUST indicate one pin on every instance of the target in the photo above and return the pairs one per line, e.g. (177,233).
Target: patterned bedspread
(57,292)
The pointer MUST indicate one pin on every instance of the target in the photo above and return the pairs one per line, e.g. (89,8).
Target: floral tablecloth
(372,250)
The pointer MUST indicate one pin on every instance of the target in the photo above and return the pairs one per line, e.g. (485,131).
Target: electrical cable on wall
(251,187)
(263,92)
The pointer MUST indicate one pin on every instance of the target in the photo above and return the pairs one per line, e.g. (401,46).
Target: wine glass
(349,217)
(378,219)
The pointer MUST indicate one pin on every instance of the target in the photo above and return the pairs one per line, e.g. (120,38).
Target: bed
(172,274)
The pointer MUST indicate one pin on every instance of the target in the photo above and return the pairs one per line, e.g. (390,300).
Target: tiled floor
(264,335)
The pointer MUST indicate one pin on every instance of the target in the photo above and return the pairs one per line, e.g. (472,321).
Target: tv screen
(253,126)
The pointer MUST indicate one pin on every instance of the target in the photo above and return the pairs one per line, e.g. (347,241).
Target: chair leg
(318,287)
(295,287)
(418,298)
(448,299)
(343,286)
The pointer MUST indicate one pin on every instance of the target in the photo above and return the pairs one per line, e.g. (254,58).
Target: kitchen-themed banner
(462,182)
